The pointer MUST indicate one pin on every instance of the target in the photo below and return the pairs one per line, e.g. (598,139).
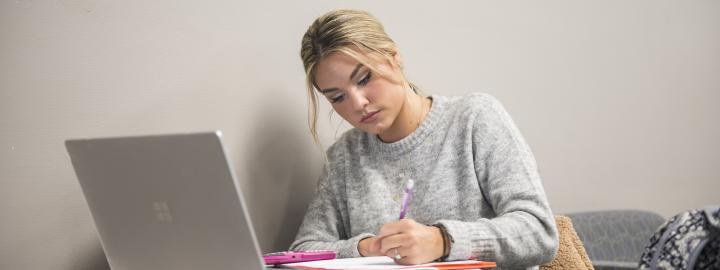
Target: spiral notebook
(382,262)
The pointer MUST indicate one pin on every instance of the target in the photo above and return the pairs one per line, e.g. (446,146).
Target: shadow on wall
(282,166)
(91,259)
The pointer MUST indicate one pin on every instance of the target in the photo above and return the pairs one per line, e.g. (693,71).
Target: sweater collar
(411,141)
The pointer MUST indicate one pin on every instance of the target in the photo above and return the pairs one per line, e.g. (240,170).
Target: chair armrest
(614,265)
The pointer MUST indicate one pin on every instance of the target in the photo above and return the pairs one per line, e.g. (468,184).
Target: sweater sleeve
(322,227)
(523,233)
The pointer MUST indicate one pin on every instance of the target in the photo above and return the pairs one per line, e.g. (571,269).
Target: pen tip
(410,184)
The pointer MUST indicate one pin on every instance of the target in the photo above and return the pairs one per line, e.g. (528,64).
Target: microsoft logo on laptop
(162,212)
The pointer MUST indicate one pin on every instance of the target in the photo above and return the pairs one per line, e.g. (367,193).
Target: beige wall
(617,99)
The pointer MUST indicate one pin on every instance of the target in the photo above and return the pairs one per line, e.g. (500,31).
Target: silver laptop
(165,202)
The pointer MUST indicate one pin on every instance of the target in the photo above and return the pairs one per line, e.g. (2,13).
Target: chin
(375,129)
(370,130)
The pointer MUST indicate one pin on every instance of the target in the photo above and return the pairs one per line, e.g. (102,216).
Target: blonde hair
(355,33)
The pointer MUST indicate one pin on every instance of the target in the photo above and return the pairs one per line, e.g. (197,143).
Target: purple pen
(406,197)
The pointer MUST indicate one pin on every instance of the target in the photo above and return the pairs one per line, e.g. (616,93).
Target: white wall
(616,98)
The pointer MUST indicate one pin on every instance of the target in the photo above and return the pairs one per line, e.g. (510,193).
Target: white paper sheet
(368,263)
(380,262)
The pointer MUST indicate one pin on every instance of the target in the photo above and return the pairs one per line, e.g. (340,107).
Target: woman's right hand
(370,247)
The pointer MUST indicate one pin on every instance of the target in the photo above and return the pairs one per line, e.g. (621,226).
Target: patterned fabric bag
(689,240)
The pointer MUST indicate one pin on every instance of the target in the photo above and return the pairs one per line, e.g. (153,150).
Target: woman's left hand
(412,242)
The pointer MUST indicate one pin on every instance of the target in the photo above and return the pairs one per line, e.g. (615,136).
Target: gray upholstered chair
(615,239)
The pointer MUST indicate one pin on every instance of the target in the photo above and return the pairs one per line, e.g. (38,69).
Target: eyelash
(365,80)
(337,99)
(362,82)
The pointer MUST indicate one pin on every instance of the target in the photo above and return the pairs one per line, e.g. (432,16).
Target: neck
(411,115)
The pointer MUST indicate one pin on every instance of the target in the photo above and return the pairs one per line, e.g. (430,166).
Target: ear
(397,58)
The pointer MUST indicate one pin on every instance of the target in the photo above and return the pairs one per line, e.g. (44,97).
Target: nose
(358,100)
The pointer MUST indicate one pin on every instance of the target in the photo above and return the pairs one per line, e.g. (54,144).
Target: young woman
(477,193)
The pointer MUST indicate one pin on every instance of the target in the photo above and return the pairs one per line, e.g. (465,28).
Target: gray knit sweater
(473,173)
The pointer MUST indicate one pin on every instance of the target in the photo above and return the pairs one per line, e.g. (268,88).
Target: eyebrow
(352,75)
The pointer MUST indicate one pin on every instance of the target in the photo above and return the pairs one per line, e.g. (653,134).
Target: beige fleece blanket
(571,253)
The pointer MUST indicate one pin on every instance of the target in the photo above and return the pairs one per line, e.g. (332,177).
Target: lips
(370,117)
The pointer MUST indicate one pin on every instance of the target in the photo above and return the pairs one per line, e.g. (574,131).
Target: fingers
(414,242)
(375,247)
(394,241)
(408,255)
(396,254)
(396,227)
(370,246)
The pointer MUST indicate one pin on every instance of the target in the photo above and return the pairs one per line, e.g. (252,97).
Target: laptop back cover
(165,202)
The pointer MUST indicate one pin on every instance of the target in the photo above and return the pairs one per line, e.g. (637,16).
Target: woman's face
(364,99)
